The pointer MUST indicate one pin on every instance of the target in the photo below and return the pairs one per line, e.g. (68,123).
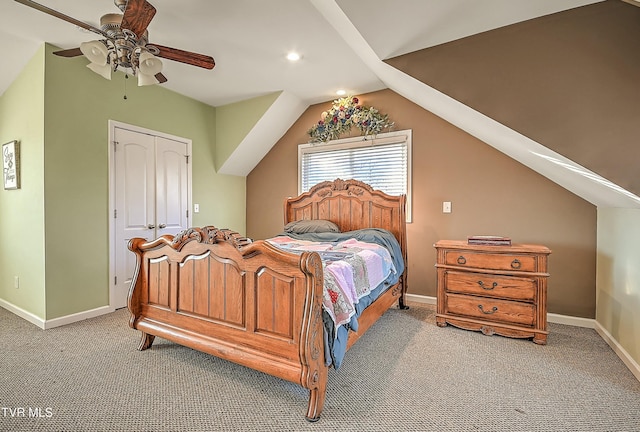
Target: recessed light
(293,56)
(341,92)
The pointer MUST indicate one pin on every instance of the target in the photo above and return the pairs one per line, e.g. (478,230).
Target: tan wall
(569,81)
(490,194)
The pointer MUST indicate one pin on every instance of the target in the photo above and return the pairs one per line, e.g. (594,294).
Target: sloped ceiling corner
(573,177)
(277,119)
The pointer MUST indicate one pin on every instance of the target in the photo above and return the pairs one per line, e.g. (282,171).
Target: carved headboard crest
(353,187)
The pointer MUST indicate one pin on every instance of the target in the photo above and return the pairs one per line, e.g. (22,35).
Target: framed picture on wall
(11,165)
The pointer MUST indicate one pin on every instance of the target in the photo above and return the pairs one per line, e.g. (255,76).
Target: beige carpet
(406,374)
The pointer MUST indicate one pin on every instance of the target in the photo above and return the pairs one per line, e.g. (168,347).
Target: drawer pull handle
(462,260)
(488,288)
(492,311)
(516,264)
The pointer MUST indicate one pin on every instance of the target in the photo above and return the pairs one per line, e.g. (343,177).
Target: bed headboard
(352,205)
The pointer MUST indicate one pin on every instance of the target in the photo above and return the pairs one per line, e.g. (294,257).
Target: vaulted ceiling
(249,39)
(344,45)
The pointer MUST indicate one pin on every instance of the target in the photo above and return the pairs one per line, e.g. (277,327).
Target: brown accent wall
(569,81)
(490,194)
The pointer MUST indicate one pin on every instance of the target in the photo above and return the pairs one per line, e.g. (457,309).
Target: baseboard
(420,298)
(55,322)
(633,366)
(33,319)
(80,316)
(571,320)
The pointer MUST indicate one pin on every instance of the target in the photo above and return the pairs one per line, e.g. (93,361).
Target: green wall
(72,231)
(22,210)
(618,277)
(234,121)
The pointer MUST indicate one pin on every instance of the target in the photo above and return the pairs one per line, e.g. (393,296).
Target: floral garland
(344,114)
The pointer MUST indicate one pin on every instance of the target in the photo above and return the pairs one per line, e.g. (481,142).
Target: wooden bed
(254,304)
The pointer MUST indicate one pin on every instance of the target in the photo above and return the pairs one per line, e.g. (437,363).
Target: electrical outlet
(16,282)
(446,207)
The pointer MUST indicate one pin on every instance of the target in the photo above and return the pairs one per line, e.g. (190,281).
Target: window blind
(383,167)
(383,163)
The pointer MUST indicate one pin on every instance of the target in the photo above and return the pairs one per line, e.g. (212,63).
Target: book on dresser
(489,240)
(494,289)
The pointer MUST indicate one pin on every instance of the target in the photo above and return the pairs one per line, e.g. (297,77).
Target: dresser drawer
(488,308)
(490,261)
(508,287)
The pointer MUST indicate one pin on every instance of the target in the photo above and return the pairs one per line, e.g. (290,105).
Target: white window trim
(359,141)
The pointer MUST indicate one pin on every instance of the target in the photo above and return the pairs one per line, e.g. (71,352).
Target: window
(383,162)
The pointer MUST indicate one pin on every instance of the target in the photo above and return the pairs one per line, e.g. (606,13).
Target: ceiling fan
(125,43)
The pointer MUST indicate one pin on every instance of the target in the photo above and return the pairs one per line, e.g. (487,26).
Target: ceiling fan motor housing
(110,22)
(121,4)
(124,42)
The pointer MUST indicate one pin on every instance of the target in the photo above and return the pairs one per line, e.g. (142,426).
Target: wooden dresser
(493,289)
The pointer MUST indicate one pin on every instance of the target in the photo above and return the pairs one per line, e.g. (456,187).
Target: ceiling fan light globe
(102,70)
(145,80)
(95,51)
(148,64)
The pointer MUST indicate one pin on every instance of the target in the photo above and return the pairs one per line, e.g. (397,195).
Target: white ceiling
(250,38)
(342,43)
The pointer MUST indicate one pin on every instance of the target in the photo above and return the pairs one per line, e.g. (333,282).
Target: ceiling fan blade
(73,52)
(137,16)
(200,60)
(62,16)
(161,78)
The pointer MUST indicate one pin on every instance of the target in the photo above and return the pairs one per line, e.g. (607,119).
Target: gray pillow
(311,226)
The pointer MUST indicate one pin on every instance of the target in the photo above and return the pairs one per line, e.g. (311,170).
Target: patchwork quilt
(352,269)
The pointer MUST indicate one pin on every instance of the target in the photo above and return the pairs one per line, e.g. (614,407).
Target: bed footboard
(250,303)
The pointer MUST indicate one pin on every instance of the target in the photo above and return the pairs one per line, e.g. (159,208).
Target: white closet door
(171,186)
(151,197)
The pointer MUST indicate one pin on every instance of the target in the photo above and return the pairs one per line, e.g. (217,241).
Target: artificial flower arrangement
(345,113)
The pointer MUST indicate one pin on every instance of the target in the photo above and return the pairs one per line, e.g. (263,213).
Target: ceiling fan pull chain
(126,77)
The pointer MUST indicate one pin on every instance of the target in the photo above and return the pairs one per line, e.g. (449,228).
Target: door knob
(162,226)
(150,226)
